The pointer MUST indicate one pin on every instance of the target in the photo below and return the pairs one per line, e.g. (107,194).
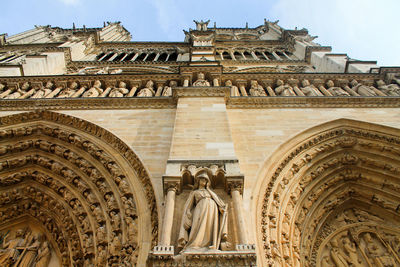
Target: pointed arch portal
(330,197)
(78,187)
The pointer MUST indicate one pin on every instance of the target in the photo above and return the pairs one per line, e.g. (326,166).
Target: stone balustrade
(289,87)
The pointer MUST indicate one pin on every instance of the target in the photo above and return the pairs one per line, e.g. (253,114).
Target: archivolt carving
(341,170)
(59,170)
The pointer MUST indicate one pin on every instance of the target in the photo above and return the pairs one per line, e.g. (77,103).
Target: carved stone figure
(377,254)
(390,89)
(44,255)
(69,91)
(120,91)
(309,90)
(361,89)
(283,89)
(31,252)
(201,26)
(234,89)
(201,81)
(19,91)
(350,253)
(204,217)
(94,91)
(168,89)
(148,91)
(337,255)
(256,89)
(44,91)
(335,91)
(12,249)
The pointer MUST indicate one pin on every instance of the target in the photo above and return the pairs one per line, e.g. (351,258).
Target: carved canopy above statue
(330,197)
(87,189)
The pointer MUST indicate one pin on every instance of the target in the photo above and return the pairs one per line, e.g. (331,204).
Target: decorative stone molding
(339,168)
(218,258)
(61,168)
(223,173)
(313,102)
(81,103)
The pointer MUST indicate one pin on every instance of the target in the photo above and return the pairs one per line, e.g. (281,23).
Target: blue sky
(364,29)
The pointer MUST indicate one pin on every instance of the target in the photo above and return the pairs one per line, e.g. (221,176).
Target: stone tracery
(343,168)
(88,198)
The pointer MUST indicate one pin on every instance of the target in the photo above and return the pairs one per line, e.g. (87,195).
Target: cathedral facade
(236,147)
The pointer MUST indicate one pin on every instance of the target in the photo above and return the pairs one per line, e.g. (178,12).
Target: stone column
(235,189)
(171,187)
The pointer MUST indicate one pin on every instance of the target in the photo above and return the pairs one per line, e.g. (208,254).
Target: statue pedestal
(245,257)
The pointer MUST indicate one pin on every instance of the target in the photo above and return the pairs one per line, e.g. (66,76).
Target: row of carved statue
(291,87)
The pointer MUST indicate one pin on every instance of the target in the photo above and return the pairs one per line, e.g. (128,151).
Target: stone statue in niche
(94,91)
(361,89)
(44,91)
(201,81)
(148,91)
(19,91)
(390,89)
(168,89)
(309,90)
(234,89)
(69,91)
(120,91)
(335,91)
(256,89)
(283,89)
(204,220)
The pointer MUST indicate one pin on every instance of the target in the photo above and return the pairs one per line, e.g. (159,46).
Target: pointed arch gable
(55,164)
(343,166)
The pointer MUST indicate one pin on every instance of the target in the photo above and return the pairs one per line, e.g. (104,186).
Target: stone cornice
(86,103)
(201,92)
(313,102)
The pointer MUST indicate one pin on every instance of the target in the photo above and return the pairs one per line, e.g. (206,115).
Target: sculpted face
(173,83)
(380,83)
(202,182)
(149,84)
(25,86)
(305,83)
(330,83)
(49,85)
(97,84)
(122,85)
(279,82)
(228,83)
(74,85)
(200,76)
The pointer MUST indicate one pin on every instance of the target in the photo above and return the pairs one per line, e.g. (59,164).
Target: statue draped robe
(202,221)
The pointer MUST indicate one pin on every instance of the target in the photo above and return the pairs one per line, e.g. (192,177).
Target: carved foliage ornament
(56,172)
(324,174)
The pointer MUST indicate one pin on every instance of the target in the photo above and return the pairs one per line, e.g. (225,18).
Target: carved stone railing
(262,90)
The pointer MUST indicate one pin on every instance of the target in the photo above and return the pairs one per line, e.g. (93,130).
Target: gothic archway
(330,197)
(83,188)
